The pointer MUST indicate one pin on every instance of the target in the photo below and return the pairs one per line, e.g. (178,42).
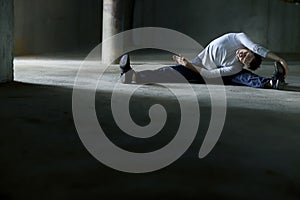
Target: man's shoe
(127,77)
(277,84)
(125,64)
(126,70)
(279,71)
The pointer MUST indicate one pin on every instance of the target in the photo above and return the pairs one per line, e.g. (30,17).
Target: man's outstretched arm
(214,73)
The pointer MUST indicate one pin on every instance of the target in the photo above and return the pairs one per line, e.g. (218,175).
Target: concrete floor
(257,156)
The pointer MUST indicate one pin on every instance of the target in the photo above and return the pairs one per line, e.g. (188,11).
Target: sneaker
(279,71)
(126,70)
(127,77)
(125,64)
(277,84)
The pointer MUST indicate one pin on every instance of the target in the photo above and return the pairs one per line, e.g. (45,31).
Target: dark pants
(181,74)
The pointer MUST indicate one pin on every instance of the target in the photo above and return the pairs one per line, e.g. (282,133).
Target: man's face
(245,56)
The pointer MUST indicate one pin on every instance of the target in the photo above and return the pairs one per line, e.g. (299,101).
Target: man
(226,56)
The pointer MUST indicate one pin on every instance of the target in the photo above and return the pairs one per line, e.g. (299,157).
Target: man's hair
(255,64)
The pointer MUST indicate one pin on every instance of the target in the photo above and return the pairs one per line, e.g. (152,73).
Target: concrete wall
(6,40)
(272,23)
(74,25)
(56,25)
(90,31)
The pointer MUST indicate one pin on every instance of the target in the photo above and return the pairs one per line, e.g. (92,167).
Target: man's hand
(180,60)
(183,61)
(284,64)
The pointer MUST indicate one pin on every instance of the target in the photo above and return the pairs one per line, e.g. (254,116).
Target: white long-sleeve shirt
(219,57)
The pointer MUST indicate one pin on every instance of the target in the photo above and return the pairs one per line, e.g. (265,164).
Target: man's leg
(248,78)
(168,74)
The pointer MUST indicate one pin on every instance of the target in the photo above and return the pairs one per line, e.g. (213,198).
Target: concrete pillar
(6,40)
(117,17)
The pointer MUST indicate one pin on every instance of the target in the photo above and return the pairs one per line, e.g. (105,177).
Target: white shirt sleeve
(223,71)
(197,62)
(256,48)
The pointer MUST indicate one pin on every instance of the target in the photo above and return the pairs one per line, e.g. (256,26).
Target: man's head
(248,58)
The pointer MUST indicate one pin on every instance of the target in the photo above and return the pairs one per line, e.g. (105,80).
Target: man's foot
(275,84)
(279,72)
(126,70)
(125,64)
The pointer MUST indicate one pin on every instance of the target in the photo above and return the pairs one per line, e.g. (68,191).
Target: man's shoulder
(234,34)
(227,36)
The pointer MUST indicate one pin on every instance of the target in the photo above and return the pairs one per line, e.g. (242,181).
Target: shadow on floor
(292,88)
(257,156)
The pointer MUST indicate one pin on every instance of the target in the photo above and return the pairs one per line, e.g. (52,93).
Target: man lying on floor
(226,56)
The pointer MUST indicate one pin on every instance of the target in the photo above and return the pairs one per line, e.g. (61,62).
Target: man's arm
(274,57)
(214,73)
(258,49)
(249,44)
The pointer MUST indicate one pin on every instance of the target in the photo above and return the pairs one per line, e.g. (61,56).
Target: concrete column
(117,17)
(6,40)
